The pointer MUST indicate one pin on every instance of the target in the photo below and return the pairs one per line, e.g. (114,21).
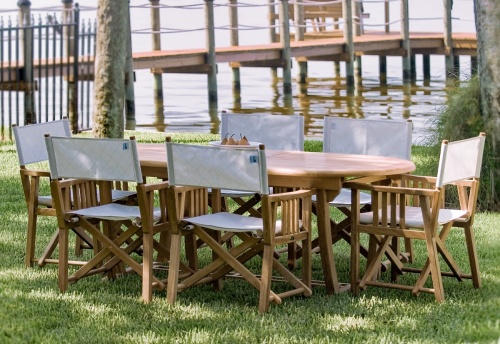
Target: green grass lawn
(95,310)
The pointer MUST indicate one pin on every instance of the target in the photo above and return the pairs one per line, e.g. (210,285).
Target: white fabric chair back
(30,141)
(460,160)
(368,137)
(94,159)
(217,167)
(277,132)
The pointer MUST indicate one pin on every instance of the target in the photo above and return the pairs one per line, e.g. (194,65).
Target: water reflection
(319,97)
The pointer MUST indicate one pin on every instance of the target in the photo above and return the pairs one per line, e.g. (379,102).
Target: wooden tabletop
(296,168)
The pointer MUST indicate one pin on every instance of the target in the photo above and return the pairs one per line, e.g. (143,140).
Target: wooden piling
(130,122)
(382,69)
(27,54)
(405,30)
(348,35)
(473,65)
(358,70)
(413,67)
(448,39)
(299,36)
(456,66)
(272,33)
(285,43)
(210,45)
(234,40)
(426,65)
(156,45)
(382,60)
(70,15)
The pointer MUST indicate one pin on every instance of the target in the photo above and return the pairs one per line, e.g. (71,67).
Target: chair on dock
(415,209)
(258,236)
(30,147)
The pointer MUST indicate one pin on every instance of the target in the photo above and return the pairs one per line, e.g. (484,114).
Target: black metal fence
(46,69)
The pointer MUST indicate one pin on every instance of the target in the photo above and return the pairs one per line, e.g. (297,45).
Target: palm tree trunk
(109,89)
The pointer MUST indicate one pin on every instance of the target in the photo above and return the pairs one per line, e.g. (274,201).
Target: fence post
(158,82)
(27,54)
(129,80)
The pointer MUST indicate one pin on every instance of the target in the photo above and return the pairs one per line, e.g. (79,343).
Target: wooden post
(348,36)
(285,44)
(413,66)
(448,39)
(69,35)
(405,30)
(156,45)
(473,65)
(299,36)
(129,80)
(358,70)
(382,60)
(456,66)
(272,33)
(27,54)
(210,45)
(426,63)
(234,40)
(382,69)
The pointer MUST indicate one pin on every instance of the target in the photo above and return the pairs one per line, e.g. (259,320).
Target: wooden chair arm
(391,189)
(286,196)
(35,173)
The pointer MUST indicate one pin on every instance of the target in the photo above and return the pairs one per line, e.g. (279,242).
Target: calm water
(185,95)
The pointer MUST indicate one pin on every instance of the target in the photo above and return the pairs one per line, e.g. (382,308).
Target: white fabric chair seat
(237,193)
(115,196)
(115,212)
(229,222)
(343,199)
(414,216)
(234,193)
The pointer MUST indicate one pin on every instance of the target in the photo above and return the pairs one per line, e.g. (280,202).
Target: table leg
(325,242)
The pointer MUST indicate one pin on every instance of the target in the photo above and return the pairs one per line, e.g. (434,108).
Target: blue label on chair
(253,159)
(125,146)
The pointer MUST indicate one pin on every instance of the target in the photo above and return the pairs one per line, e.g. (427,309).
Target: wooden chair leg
(63,259)
(265,286)
(49,249)
(437,281)
(473,261)
(410,253)
(173,270)
(31,237)
(292,255)
(307,262)
(147,267)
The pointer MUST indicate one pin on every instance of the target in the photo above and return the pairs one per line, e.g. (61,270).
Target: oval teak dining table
(323,171)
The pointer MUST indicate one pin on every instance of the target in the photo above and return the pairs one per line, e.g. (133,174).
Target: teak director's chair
(83,171)
(191,170)
(413,210)
(276,132)
(30,147)
(390,138)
